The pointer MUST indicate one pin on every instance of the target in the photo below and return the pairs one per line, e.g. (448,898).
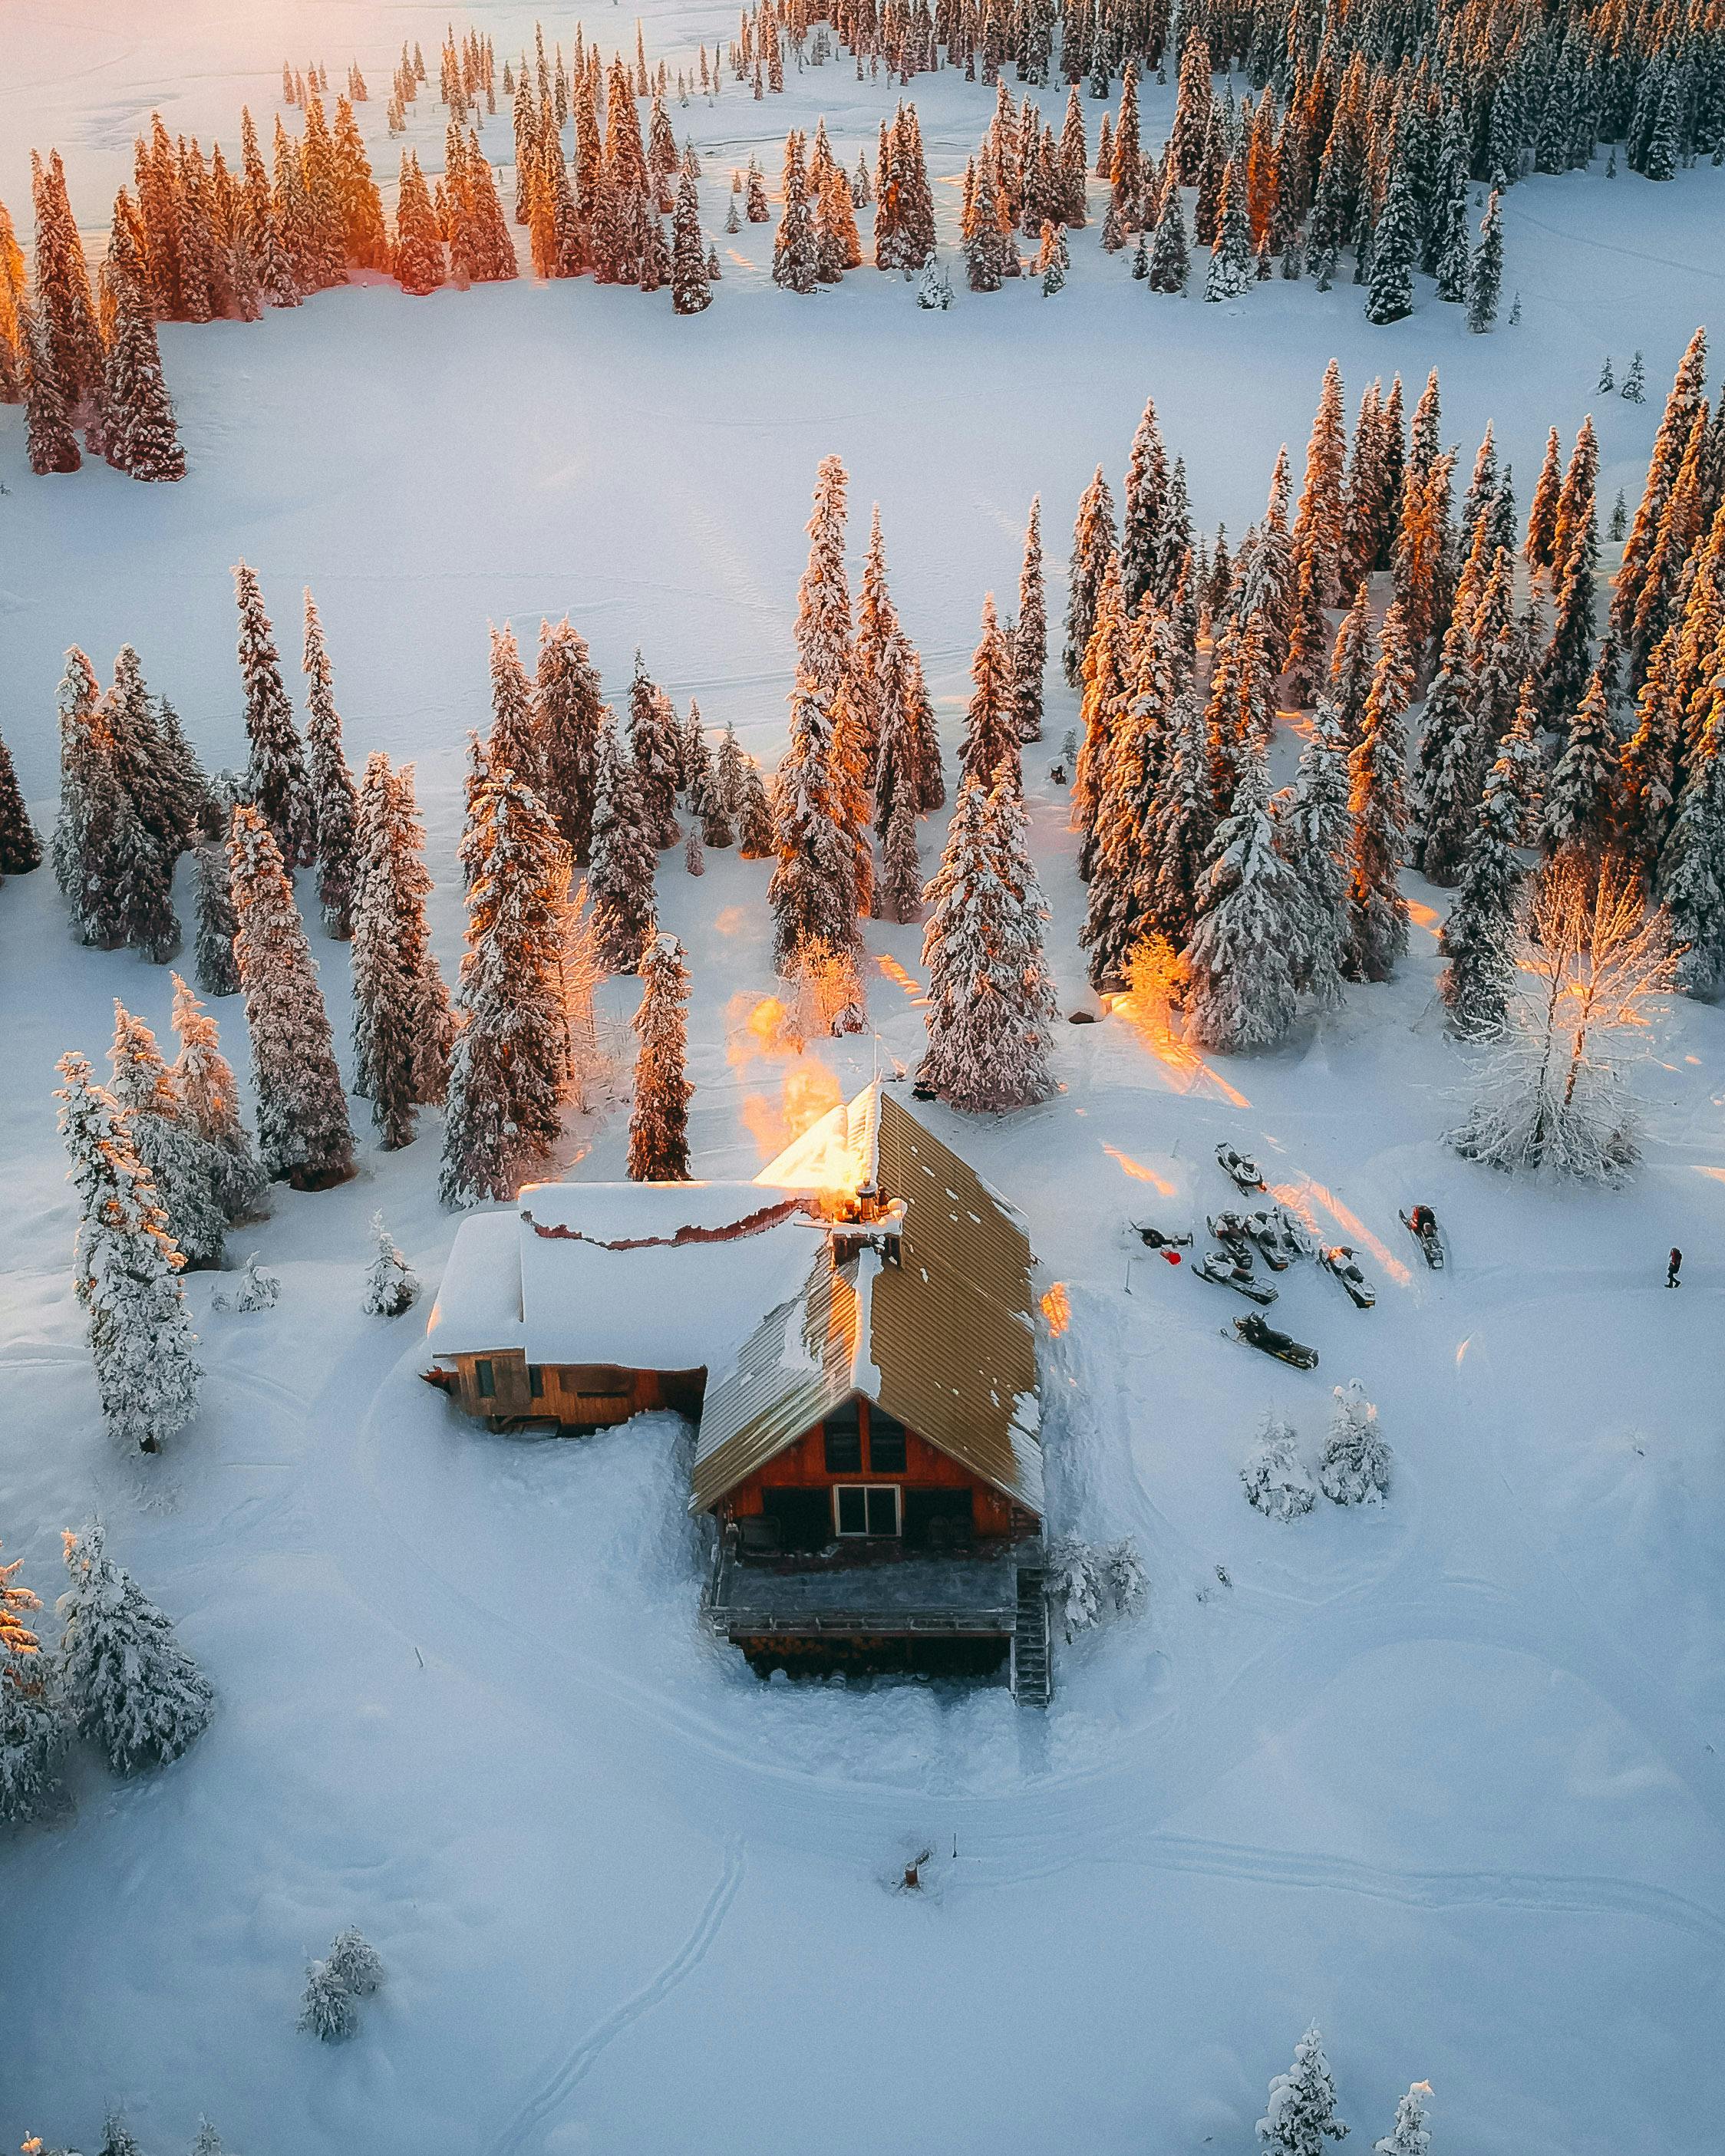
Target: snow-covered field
(1443,1776)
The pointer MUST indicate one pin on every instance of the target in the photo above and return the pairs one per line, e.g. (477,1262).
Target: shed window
(536,1380)
(886,1442)
(485,1381)
(861,1508)
(844,1440)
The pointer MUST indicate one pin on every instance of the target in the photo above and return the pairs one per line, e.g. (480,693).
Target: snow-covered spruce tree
(513,743)
(1030,639)
(95,809)
(143,889)
(1351,665)
(1581,794)
(898,889)
(659,1121)
(990,749)
(186,1171)
(1231,275)
(50,444)
(567,715)
(213,944)
(1376,806)
(303,1133)
(392,1285)
(138,436)
(403,1028)
(1591,963)
(811,892)
(511,1055)
(334,801)
(1170,251)
(277,785)
(1447,775)
(1244,955)
(625,859)
(255,1290)
(128,1683)
(20,849)
(990,998)
(1485,271)
(1274,1479)
(1410,2136)
(1107,661)
(1395,248)
(1300,2115)
(1355,1466)
(1143,505)
(33,1730)
(208,1096)
(725,803)
(208,2142)
(1313,831)
(795,260)
(691,289)
(356,1962)
(1690,878)
(327,2007)
(142,761)
(126,1270)
(1477,938)
(655,748)
(1092,549)
(1184,821)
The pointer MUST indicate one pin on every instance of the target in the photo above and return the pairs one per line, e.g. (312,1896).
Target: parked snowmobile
(1422,1224)
(1255,1333)
(1339,1260)
(1231,1231)
(1227,1269)
(1276,1237)
(1241,1167)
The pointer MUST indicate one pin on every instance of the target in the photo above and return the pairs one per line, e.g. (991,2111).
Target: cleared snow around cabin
(1442,1774)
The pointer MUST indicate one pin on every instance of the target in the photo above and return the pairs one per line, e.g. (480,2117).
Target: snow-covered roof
(645,1276)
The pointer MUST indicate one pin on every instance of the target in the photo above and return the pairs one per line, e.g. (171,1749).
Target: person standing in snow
(1673,1266)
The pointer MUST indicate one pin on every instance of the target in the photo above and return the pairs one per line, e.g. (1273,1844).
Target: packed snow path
(1442,1774)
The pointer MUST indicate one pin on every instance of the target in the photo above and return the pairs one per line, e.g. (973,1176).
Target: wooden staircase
(1032,1670)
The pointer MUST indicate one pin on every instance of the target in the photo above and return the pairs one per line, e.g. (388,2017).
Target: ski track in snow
(566,2076)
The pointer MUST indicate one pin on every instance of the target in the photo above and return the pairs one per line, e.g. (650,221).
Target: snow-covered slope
(1440,1774)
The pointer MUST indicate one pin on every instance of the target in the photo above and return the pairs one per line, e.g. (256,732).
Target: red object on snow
(1172,1257)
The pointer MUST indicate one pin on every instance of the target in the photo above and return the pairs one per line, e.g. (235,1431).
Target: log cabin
(852,1336)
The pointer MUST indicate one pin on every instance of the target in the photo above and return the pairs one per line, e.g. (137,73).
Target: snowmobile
(1339,1260)
(1276,1236)
(1239,1166)
(1422,1224)
(1232,1232)
(1228,1270)
(1255,1333)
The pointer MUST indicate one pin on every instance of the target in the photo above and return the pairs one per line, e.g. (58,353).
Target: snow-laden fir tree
(990,998)
(1170,251)
(209,1096)
(255,1288)
(659,1122)
(1376,806)
(186,1171)
(277,784)
(1230,275)
(1485,271)
(1030,638)
(1410,2136)
(513,743)
(1453,745)
(208,2142)
(1581,794)
(327,2007)
(33,1730)
(811,892)
(1184,820)
(138,436)
(1245,952)
(723,794)
(402,1026)
(1092,549)
(1591,962)
(1313,831)
(990,749)
(898,889)
(335,800)
(655,748)
(392,1285)
(691,288)
(126,1270)
(1107,668)
(1395,246)
(94,813)
(127,1682)
(303,1133)
(1275,1480)
(1351,667)
(624,857)
(20,849)
(1300,2114)
(511,1054)
(568,710)
(1355,1466)
(150,766)
(1477,937)
(1143,505)
(1691,878)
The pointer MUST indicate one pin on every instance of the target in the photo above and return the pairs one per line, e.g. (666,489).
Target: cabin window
(886,1442)
(536,1380)
(484,1380)
(861,1508)
(844,1440)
